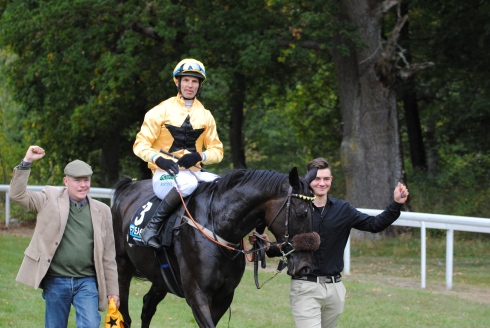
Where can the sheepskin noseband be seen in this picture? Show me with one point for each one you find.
(308, 242)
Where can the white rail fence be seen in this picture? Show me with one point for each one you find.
(94, 193)
(450, 223)
(424, 221)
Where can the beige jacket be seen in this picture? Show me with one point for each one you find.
(52, 206)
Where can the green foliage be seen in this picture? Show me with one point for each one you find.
(78, 76)
(80, 64)
(453, 99)
(12, 148)
(454, 95)
(458, 189)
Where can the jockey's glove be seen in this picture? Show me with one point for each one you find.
(189, 160)
(168, 165)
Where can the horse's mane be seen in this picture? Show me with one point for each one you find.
(266, 180)
(121, 185)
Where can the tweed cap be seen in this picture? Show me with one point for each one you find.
(78, 169)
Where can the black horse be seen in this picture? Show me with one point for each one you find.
(230, 208)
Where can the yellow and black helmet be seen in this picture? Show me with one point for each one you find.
(190, 67)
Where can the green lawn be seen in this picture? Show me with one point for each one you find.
(382, 291)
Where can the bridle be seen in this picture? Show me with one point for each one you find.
(287, 203)
(259, 245)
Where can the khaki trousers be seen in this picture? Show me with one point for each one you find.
(316, 305)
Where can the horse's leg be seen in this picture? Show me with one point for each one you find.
(218, 310)
(199, 295)
(199, 304)
(150, 301)
(125, 271)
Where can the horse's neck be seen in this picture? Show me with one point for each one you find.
(236, 223)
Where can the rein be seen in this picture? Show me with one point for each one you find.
(221, 242)
(198, 226)
(259, 247)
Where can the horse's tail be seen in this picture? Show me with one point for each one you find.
(120, 186)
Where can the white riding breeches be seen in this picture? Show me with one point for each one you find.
(186, 180)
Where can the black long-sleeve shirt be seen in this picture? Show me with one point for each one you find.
(334, 225)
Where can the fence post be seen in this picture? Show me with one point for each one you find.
(7, 209)
(449, 258)
(347, 257)
(423, 254)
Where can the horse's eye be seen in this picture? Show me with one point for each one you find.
(301, 212)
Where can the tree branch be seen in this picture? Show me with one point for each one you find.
(385, 67)
(387, 5)
(391, 43)
(410, 70)
(147, 31)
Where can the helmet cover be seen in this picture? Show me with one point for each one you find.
(190, 67)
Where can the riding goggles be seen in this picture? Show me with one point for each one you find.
(191, 67)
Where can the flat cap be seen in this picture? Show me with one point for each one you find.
(78, 169)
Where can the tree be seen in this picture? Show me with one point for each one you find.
(371, 145)
(453, 98)
(242, 38)
(288, 81)
(87, 71)
(407, 93)
(11, 145)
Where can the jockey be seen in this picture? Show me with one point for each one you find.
(182, 126)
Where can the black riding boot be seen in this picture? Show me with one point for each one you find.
(149, 235)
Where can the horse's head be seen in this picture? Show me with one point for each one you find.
(292, 226)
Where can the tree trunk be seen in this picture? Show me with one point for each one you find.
(412, 119)
(370, 149)
(432, 156)
(110, 162)
(410, 105)
(237, 99)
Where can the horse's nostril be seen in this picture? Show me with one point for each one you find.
(305, 270)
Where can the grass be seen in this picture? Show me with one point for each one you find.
(400, 257)
(382, 291)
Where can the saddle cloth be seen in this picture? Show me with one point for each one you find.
(141, 219)
(143, 215)
(138, 222)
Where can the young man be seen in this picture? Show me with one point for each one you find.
(317, 300)
(181, 126)
(71, 255)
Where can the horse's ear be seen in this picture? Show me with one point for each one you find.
(294, 179)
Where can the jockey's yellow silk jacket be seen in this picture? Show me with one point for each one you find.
(178, 130)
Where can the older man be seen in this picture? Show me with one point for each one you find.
(71, 255)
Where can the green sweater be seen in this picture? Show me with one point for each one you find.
(75, 255)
